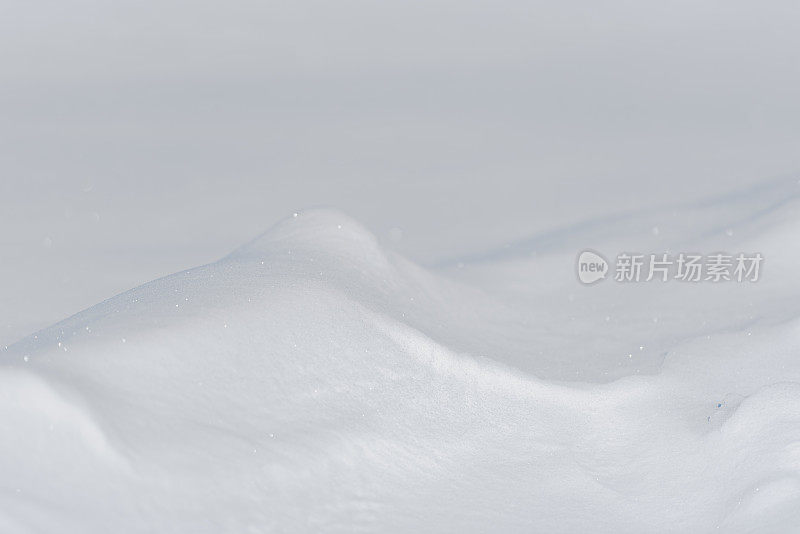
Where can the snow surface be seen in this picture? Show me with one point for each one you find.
(424, 358)
(315, 380)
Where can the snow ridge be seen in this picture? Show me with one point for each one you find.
(314, 380)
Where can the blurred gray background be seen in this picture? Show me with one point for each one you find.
(142, 138)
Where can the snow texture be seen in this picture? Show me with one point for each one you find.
(315, 380)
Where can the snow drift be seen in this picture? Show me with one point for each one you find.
(315, 381)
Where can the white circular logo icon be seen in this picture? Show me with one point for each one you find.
(592, 267)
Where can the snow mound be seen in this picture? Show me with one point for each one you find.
(314, 381)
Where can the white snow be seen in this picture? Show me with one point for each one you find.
(408, 348)
(313, 380)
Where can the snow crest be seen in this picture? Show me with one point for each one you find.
(313, 380)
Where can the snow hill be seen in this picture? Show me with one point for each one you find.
(313, 380)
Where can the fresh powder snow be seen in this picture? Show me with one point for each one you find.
(313, 380)
(296, 266)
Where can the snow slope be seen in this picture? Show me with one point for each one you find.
(313, 380)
